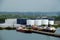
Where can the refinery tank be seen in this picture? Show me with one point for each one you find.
(38, 22)
(10, 21)
(51, 21)
(21, 21)
(30, 22)
(45, 21)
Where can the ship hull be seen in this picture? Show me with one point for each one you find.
(24, 31)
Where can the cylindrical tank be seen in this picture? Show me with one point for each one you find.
(45, 21)
(38, 22)
(51, 21)
(11, 21)
(30, 22)
(21, 21)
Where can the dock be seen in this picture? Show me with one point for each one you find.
(46, 33)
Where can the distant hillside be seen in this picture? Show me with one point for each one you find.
(4, 15)
(33, 13)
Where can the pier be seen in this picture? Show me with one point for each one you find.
(46, 33)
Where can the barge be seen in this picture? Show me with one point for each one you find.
(45, 29)
(41, 28)
(24, 30)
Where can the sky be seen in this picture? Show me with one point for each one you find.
(29, 5)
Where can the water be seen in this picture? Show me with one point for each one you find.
(57, 31)
(13, 35)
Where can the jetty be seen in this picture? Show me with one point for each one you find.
(46, 33)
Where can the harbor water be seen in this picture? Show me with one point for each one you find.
(14, 35)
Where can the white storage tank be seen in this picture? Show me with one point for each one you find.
(45, 21)
(30, 22)
(11, 21)
(51, 21)
(38, 22)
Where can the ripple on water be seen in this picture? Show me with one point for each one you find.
(13, 35)
(57, 31)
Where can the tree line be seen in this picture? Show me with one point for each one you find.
(5, 16)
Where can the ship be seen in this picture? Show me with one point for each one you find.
(24, 30)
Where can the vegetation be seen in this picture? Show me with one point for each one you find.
(10, 28)
(57, 18)
(7, 28)
(43, 25)
(15, 16)
(1, 28)
(56, 26)
(22, 15)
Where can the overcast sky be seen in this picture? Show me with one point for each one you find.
(30, 5)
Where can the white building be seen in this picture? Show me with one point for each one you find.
(11, 21)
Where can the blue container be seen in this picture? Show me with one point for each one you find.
(21, 21)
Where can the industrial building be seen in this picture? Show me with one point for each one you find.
(19, 22)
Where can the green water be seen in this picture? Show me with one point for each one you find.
(14, 35)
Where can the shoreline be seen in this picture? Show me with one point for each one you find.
(8, 28)
(13, 28)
